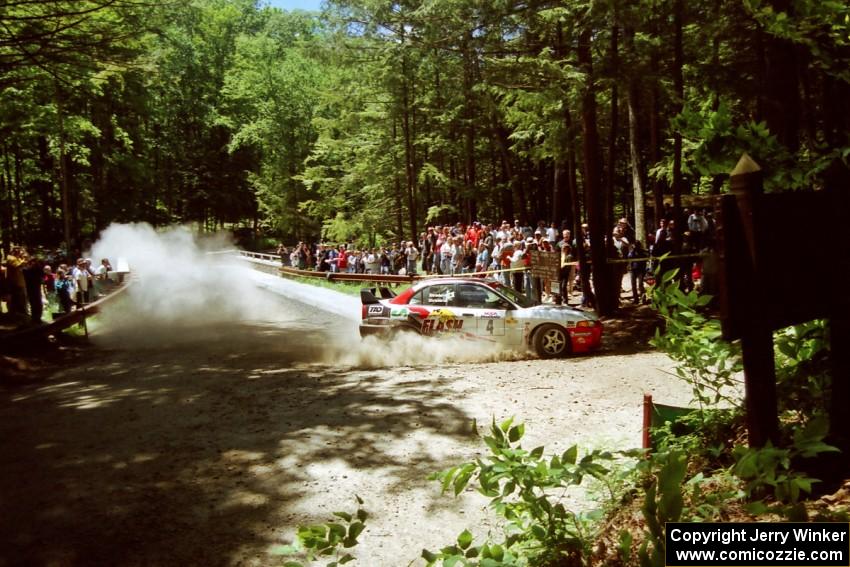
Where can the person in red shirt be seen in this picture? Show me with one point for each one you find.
(472, 234)
(342, 259)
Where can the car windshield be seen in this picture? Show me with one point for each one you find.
(513, 295)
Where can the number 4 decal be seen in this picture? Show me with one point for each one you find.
(490, 326)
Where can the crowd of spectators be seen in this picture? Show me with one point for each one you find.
(503, 251)
(29, 284)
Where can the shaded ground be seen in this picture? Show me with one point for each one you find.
(207, 445)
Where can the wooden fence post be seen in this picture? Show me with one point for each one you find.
(756, 333)
(838, 193)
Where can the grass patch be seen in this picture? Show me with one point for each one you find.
(78, 331)
(349, 288)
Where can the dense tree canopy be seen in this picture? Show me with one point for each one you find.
(373, 118)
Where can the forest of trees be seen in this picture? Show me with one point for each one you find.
(372, 118)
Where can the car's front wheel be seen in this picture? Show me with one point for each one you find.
(551, 341)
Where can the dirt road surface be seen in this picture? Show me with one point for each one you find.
(200, 444)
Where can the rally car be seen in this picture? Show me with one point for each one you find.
(480, 310)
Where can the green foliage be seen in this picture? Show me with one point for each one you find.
(670, 496)
(768, 470)
(700, 434)
(822, 28)
(526, 490)
(219, 111)
(331, 539)
(663, 502)
(802, 368)
(690, 338)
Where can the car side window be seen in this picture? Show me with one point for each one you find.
(479, 297)
(437, 294)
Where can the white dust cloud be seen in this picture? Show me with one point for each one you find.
(176, 282)
(184, 295)
(409, 349)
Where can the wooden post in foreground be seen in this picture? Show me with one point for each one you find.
(744, 271)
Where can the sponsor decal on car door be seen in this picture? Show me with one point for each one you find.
(491, 323)
(480, 305)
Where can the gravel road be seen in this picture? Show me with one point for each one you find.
(202, 442)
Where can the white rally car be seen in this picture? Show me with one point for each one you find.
(481, 310)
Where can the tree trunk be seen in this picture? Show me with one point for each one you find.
(507, 200)
(655, 133)
(408, 145)
(45, 189)
(781, 95)
(21, 234)
(612, 133)
(5, 216)
(469, 128)
(399, 208)
(583, 266)
(560, 182)
(632, 101)
(63, 175)
(634, 155)
(8, 202)
(517, 206)
(678, 101)
(594, 198)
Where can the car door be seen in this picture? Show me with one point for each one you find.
(484, 309)
(433, 305)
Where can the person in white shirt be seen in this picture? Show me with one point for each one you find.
(81, 281)
(496, 255)
(457, 254)
(101, 274)
(372, 261)
(517, 263)
(412, 255)
(698, 226)
(552, 233)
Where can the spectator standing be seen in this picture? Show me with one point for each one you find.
(386, 263)
(482, 259)
(81, 281)
(698, 227)
(64, 290)
(48, 284)
(505, 261)
(552, 233)
(567, 273)
(322, 264)
(16, 286)
(637, 268)
(342, 259)
(32, 280)
(457, 255)
(532, 283)
(487, 239)
(518, 266)
(412, 254)
(661, 233)
(470, 257)
(101, 275)
(426, 244)
(333, 258)
(446, 257)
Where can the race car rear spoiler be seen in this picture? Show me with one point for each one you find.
(367, 296)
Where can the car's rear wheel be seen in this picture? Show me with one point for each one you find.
(551, 341)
